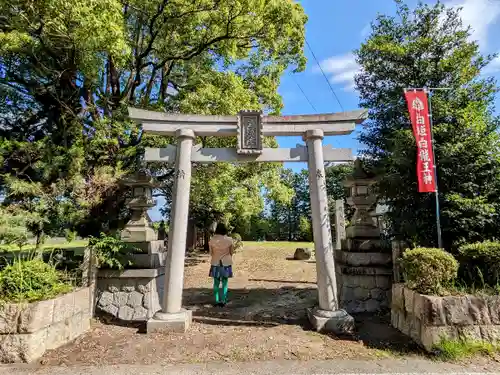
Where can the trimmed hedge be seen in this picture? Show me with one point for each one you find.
(480, 264)
(429, 270)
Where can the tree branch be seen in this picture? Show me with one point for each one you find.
(149, 87)
(165, 73)
(115, 84)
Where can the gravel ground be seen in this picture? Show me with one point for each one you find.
(265, 320)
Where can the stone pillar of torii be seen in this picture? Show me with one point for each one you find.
(249, 127)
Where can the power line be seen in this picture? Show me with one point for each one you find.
(303, 93)
(324, 75)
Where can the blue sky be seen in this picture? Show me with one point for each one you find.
(334, 30)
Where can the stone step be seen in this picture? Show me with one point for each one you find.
(363, 259)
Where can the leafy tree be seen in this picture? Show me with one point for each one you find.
(222, 191)
(291, 220)
(68, 69)
(286, 219)
(255, 228)
(55, 210)
(50, 54)
(430, 47)
(305, 229)
(335, 175)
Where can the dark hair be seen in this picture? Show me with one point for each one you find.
(221, 229)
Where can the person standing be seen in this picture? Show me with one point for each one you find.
(221, 250)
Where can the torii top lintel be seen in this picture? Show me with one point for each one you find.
(161, 123)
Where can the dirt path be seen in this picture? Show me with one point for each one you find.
(264, 320)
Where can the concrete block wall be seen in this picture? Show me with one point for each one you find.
(27, 330)
(428, 319)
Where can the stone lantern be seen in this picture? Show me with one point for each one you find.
(139, 228)
(362, 199)
(365, 268)
(134, 294)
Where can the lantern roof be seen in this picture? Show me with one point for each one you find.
(359, 176)
(141, 179)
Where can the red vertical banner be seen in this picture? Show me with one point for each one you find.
(418, 106)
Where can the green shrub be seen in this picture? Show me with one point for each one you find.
(238, 243)
(31, 280)
(480, 264)
(110, 251)
(429, 271)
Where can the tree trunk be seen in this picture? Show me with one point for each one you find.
(206, 233)
(289, 224)
(38, 244)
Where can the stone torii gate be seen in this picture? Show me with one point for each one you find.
(249, 127)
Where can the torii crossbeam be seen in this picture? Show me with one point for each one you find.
(225, 126)
(161, 123)
(213, 155)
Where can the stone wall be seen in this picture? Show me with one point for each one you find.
(131, 295)
(364, 280)
(427, 319)
(28, 330)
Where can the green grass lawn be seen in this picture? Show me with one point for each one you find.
(277, 244)
(80, 245)
(48, 246)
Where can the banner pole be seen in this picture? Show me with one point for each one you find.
(438, 216)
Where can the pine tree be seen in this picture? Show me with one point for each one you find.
(430, 47)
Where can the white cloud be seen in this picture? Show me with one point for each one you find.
(341, 70)
(480, 15)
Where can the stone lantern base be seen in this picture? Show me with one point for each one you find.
(138, 229)
(361, 231)
(138, 233)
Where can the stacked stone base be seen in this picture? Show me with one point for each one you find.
(131, 295)
(28, 330)
(429, 319)
(364, 280)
